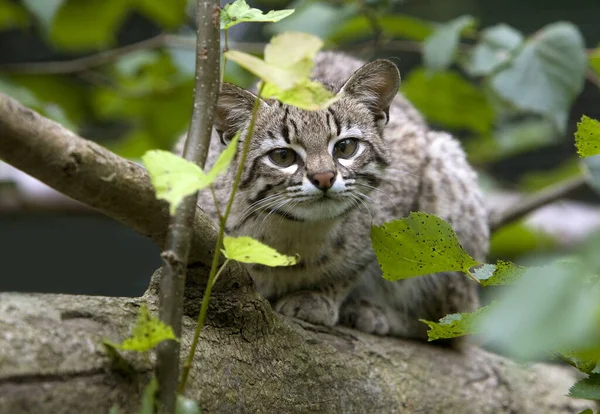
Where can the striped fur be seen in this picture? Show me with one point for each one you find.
(401, 166)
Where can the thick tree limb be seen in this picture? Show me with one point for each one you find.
(92, 175)
(249, 359)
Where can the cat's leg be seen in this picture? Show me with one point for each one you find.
(320, 307)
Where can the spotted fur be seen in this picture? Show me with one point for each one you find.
(400, 166)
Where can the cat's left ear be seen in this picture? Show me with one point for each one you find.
(375, 84)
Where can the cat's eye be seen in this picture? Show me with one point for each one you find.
(283, 157)
(345, 148)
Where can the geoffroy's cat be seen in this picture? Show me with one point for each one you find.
(315, 181)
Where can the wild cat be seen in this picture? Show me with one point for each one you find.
(315, 181)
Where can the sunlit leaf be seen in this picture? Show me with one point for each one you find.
(587, 137)
(502, 273)
(536, 180)
(448, 99)
(456, 324)
(518, 239)
(288, 59)
(224, 159)
(148, 332)
(309, 95)
(594, 60)
(240, 12)
(392, 25)
(173, 177)
(441, 46)
(418, 245)
(547, 74)
(495, 48)
(587, 388)
(248, 250)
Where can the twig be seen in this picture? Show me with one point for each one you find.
(109, 56)
(535, 201)
(175, 255)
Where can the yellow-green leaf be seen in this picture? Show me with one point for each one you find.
(418, 245)
(288, 59)
(309, 95)
(587, 137)
(282, 78)
(502, 273)
(240, 12)
(173, 177)
(148, 332)
(248, 250)
(224, 159)
(289, 49)
(455, 324)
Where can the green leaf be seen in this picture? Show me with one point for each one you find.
(186, 406)
(417, 245)
(148, 332)
(495, 48)
(502, 273)
(547, 74)
(173, 177)
(224, 159)
(149, 397)
(240, 12)
(587, 137)
(395, 25)
(288, 59)
(446, 98)
(588, 388)
(537, 180)
(72, 27)
(587, 411)
(317, 18)
(594, 60)
(308, 95)
(169, 14)
(441, 46)
(44, 11)
(518, 239)
(511, 139)
(12, 15)
(248, 250)
(456, 324)
(549, 308)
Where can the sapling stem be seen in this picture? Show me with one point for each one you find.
(219, 244)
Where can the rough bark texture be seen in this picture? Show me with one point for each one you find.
(249, 359)
(252, 360)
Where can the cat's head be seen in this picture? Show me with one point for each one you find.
(313, 165)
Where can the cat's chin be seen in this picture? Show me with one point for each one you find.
(323, 209)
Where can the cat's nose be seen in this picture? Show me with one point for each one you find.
(323, 181)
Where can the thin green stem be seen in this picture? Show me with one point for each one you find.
(216, 202)
(215, 263)
(225, 49)
(223, 266)
(468, 273)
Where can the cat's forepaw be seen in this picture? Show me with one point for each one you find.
(365, 316)
(311, 307)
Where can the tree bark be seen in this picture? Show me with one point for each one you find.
(249, 359)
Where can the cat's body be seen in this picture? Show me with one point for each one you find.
(314, 206)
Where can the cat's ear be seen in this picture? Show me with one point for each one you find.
(375, 84)
(233, 111)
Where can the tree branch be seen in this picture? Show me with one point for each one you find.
(206, 93)
(535, 201)
(91, 174)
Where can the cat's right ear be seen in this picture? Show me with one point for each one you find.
(233, 111)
